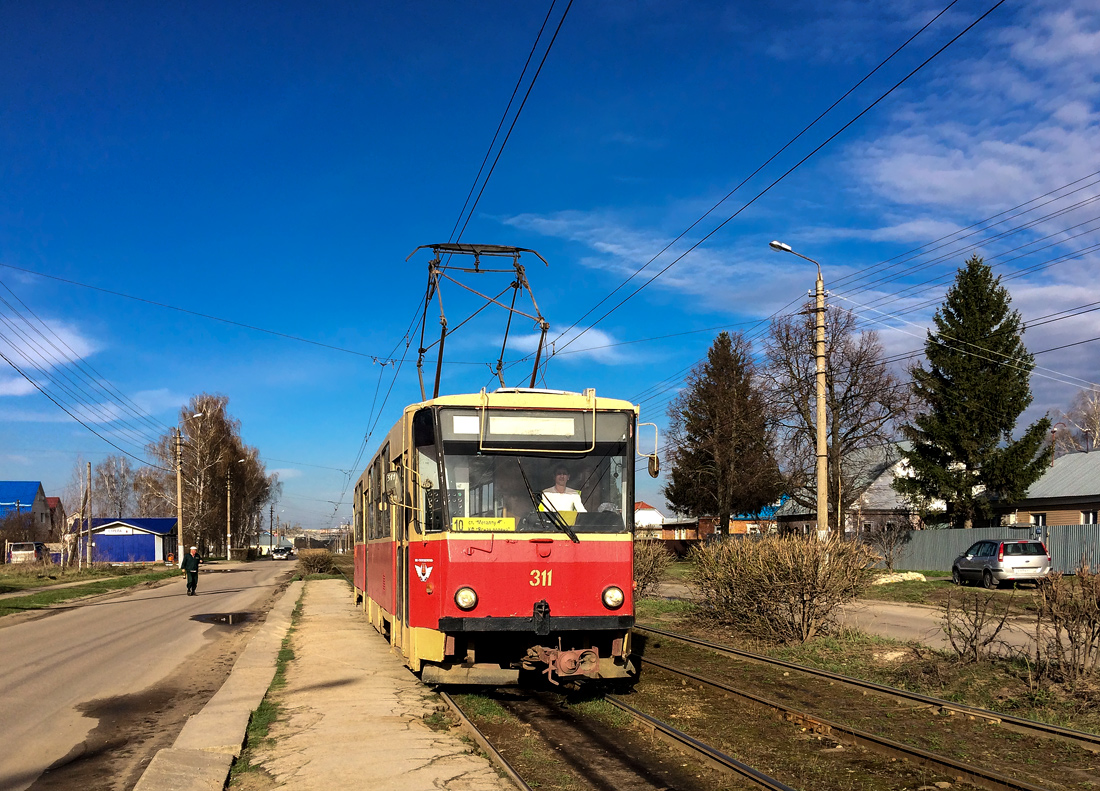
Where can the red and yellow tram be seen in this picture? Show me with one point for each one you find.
(470, 565)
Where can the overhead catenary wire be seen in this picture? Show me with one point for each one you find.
(673, 381)
(77, 419)
(790, 170)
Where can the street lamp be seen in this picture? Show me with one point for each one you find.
(179, 489)
(819, 352)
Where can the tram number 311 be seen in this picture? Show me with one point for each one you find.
(542, 578)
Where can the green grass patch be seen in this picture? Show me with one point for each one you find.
(333, 576)
(914, 592)
(53, 596)
(480, 707)
(680, 571)
(267, 713)
(662, 609)
(438, 721)
(599, 709)
(21, 576)
(934, 593)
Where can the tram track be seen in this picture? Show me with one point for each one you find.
(622, 768)
(1033, 728)
(960, 771)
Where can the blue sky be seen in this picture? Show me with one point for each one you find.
(274, 164)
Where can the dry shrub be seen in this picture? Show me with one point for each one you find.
(315, 561)
(1068, 625)
(972, 622)
(781, 588)
(651, 561)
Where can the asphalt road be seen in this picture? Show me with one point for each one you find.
(54, 669)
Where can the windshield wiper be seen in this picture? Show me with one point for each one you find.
(556, 518)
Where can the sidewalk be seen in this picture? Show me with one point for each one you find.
(350, 714)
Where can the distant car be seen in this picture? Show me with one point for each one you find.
(280, 553)
(997, 561)
(27, 552)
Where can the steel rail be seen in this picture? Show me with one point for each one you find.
(483, 743)
(1087, 741)
(713, 755)
(993, 781)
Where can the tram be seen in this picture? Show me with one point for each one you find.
(493, 537)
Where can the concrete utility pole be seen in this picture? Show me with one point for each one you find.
(819, 353)
(80, 528)
(179, 497)
(228, 493)
(228, 512)
(89, 560)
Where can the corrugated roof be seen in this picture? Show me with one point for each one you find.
(1072, 475)
(153, 524)
(22, 492)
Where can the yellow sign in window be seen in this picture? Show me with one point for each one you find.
(483, 524)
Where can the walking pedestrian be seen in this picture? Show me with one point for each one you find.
(190, 564)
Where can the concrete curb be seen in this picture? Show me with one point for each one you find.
(210, 740)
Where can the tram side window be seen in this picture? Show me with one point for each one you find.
(368, 504)
(358, 513)
(375, 499)
(384, 504)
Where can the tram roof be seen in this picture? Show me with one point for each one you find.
(524, 397)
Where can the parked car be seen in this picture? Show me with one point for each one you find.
(280, 553)
(997, 561)
(27, 552)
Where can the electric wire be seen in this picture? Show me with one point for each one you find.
(77, 419)
(790, 170)
(500, 124)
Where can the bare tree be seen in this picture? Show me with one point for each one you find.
(113, 487)
(888, 533)
(1082, 421)
(213, 456)
(151, 487)
(864, 402)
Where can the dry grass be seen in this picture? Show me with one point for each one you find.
(651, 561)
(780, 588)
(315, 561)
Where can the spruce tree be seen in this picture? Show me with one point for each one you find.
(976, 384)
(720, 442)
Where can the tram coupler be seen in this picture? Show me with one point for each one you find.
(578, 662)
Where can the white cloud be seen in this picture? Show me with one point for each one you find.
(158, 401)
(37, 350)
(286, 473)
(996, 130)
(715, 278)
(15, 386)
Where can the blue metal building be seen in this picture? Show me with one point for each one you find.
(132, 540)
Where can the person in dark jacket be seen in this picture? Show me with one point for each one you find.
(190, 564)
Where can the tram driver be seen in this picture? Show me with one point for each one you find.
(559, 496)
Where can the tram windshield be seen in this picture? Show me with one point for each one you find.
(533, 472)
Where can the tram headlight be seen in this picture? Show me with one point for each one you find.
(466, 599)
(613, 598)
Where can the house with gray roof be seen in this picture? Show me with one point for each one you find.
(1067, 494)
(877, 506)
